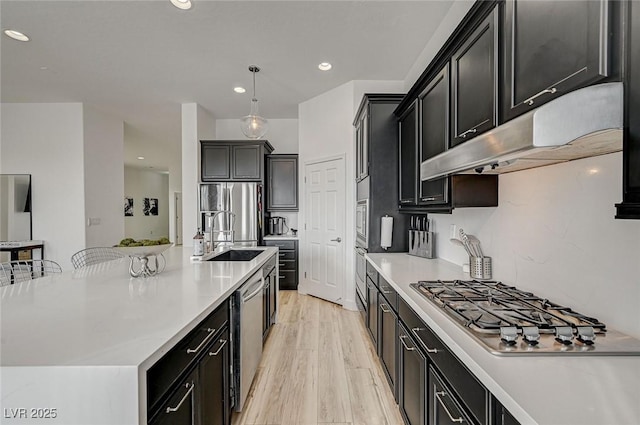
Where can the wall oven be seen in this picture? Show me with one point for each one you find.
(362, 223)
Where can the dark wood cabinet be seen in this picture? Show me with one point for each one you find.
(214, 378)
(474, 74)
(551, 48)
(191, 384)
(181, 408)
(377, 154)
(502, 416)
(387, 334)
(408, 148)
(442, 405)
(224, 160)
(282, 183)
(216, 164)
(434, 134)
(372, 309)
(412, 379)
(288, 262)
(270, 287)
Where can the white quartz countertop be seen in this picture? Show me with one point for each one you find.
(101, 316)
(562, 390)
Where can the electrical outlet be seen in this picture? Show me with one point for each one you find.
(453, 231)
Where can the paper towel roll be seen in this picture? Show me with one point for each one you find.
(386, 230)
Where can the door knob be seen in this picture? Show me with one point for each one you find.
(338, 239)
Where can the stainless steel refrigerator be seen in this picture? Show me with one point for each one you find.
(240, 199)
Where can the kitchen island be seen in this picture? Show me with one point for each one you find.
(75, 347)
(562, 390)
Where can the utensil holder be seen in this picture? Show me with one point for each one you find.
(422, 243)
(480, 268)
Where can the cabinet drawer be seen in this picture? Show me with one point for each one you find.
(388, 293)
(287, 265)
(471, 392)
(288, 279)
(170, 367)
(281, 244)
(372, 274)
(286, 255)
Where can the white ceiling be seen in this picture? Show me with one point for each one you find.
(140, 60)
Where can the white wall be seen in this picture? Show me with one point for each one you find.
(451, 20)
(140, 184)
(282, 133)
(103, 177)
(326, 130)
(46, 141)
(197, 124)
(554, 233)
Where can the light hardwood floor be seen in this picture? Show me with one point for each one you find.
(318, 366)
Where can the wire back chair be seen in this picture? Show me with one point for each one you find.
(21, 270)
(96, 255)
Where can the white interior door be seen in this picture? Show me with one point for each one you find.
(178, 210)
(324, 220)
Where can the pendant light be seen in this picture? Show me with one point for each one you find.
(253, 125)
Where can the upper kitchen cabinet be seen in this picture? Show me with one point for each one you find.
(233, 160)
(474, 75)
(408, 148)
(282, 182)
(433, 108)
(551, 48)
(362, 146)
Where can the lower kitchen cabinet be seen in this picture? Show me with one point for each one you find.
(288, 262)
(442, 405)
(182, 405)
(191, 384)
(214, 382)
(412, 379)
(502, 416)
(270, 287)
(387, 334)
(372, 309)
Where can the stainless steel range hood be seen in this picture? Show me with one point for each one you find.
(583, 123)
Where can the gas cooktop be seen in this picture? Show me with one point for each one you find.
(507, 320)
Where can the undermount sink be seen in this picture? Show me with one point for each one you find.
(237, 255)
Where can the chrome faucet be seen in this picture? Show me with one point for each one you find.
(229, 237)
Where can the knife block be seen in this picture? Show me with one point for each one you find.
(422, 243)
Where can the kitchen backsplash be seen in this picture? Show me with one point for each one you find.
(554, 233)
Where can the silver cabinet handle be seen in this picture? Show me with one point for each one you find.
(382, 307)
(404, 344)
(442, 393)
(429, 350)
(175, 409)
(224, 342)
(532, 98)
(338, 239)
(282, 277)
(281, 255)
(464, 135)
(204, 341)
(385, 292)
(430, 198)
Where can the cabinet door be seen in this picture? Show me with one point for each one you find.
(364, 170)
(552, 47)
(246, 162)
(215, 162)
(473, 83)
(408, 176)
(181, 407)
(358, 150)
(434, 134)
(412, 379)
(503, 417)
(443, 407)
(372, 308)
(273, 296)
(283, 183)
(388, 327)
(215, 383)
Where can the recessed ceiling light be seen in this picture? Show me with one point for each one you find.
(182, 4)
(141, 157)
(239, 89)
(324, 66)
(16, 35)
